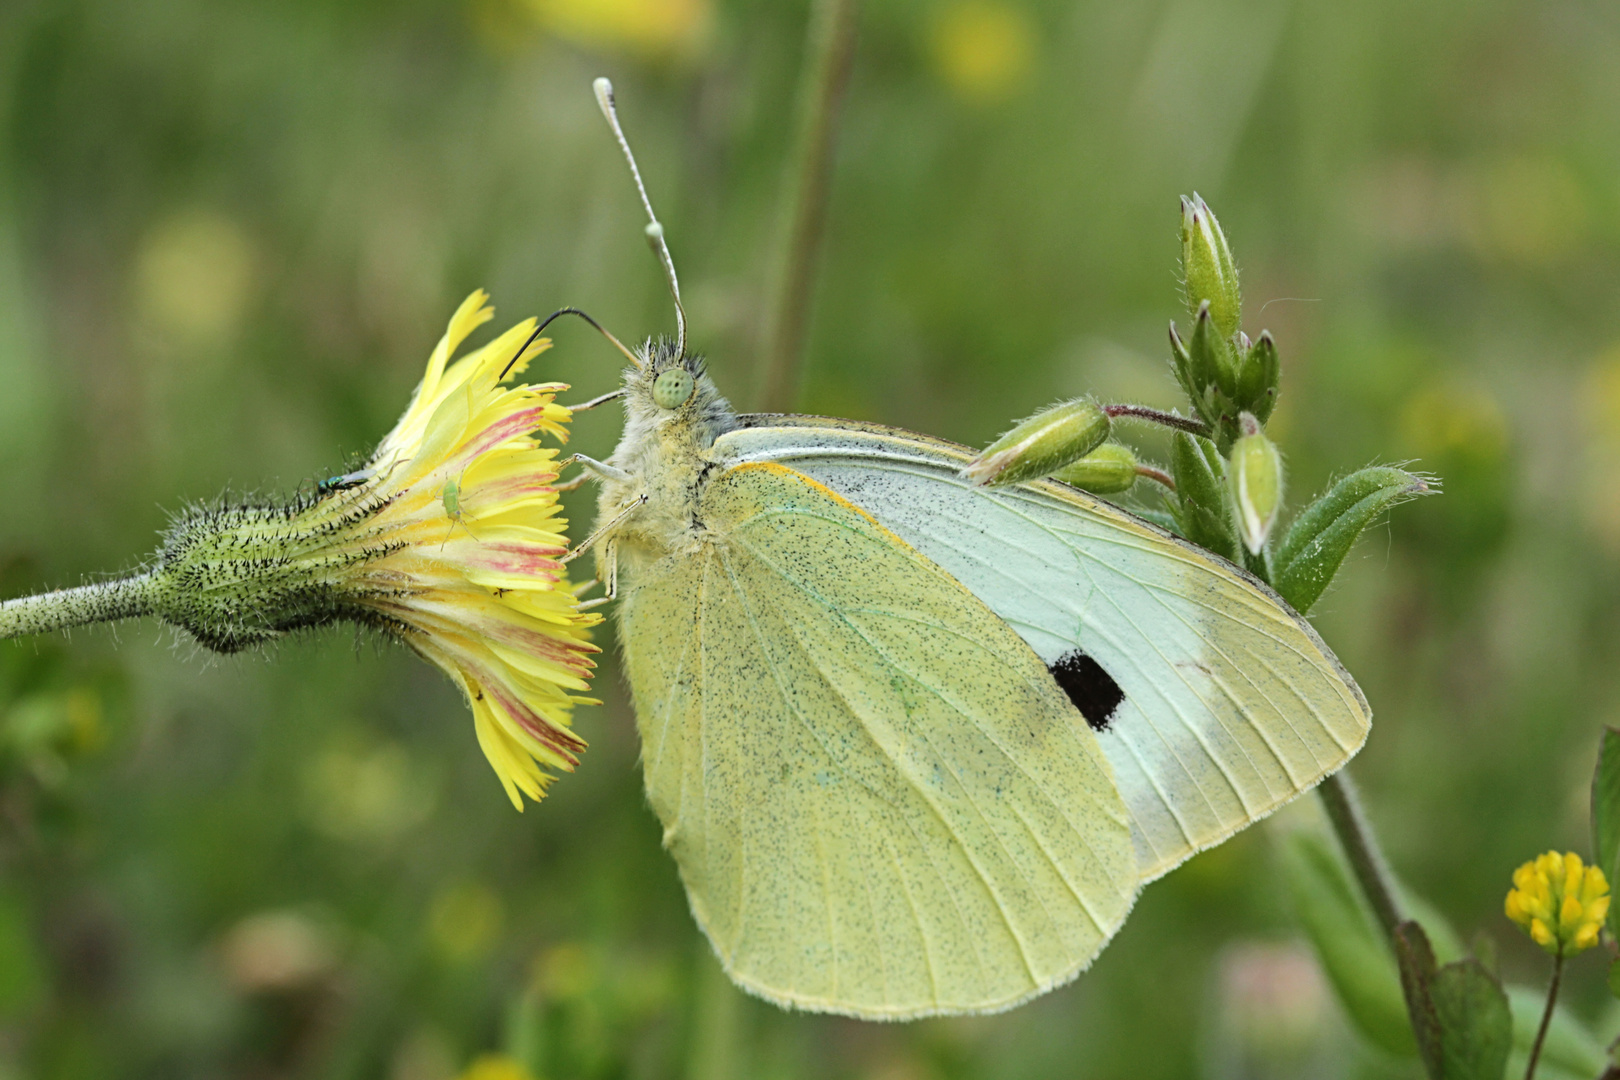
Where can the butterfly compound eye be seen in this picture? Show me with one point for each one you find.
(672, 388)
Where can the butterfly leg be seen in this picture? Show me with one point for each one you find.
(591, 470)
(606, 530)
(608, 564)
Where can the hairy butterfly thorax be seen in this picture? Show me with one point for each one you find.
(673, 414)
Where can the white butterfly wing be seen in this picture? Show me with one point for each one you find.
(1231, 706)
(879, 802)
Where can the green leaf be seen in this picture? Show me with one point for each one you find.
(1606, 814)
(1181, 364)
(1353, 952)
(1476, 1025)
(1459, 1012)
(1317, 542)
(1201, 489)
(1614, 977)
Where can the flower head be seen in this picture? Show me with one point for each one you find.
(448, 540)
(1561, 903)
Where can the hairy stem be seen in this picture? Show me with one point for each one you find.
(1158, 475)
(1343, 807)
(1158, 416)
(828, 59)
(1546, 1015)
(67, 608)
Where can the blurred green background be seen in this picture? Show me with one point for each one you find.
(231, 232)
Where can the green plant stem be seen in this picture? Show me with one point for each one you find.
(1158, 416)
(1158, 475)
(1546, 1015)
(67, 608)
(1343, 805)
(829, 57)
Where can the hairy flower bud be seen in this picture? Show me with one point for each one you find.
(1256, 476)
(1207, 267)
(1041, 445)
(1108, 470)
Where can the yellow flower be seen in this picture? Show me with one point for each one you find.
(650, 27)
(461, 497)
(983, 49)
(448, 540)
(1560, 902)
(495, 1067)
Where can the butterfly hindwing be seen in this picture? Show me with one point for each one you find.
(1214, 701)
(880, 802)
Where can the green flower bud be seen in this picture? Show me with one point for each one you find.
(1211, 354)
(1201, 494)
(1207, 266)
(1257, 375)
(1108, 470)
(1041, 445)
(1257, 482)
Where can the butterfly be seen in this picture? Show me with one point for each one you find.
(916, 745)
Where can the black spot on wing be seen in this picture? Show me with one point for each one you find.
(1093, 690)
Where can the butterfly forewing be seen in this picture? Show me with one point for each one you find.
(1219, 703)
(880, 802)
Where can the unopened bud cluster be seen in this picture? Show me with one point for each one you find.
(1223, 372)
(1225, 480)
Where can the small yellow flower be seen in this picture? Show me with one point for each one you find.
(1560, 902)
(984, 49)
(495, 1067)
(649, 27)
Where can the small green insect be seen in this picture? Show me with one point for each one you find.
(451, 496)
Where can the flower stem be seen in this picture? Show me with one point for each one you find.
(1158, 475)
(1159, 416)
(829, 57)
(1343, 807)
(103, 602)
(1546, 1016)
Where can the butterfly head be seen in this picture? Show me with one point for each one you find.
(670, 391)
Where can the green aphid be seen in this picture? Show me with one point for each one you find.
(452, 508)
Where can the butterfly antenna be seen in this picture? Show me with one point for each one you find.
(553, 317)
(655, 231)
